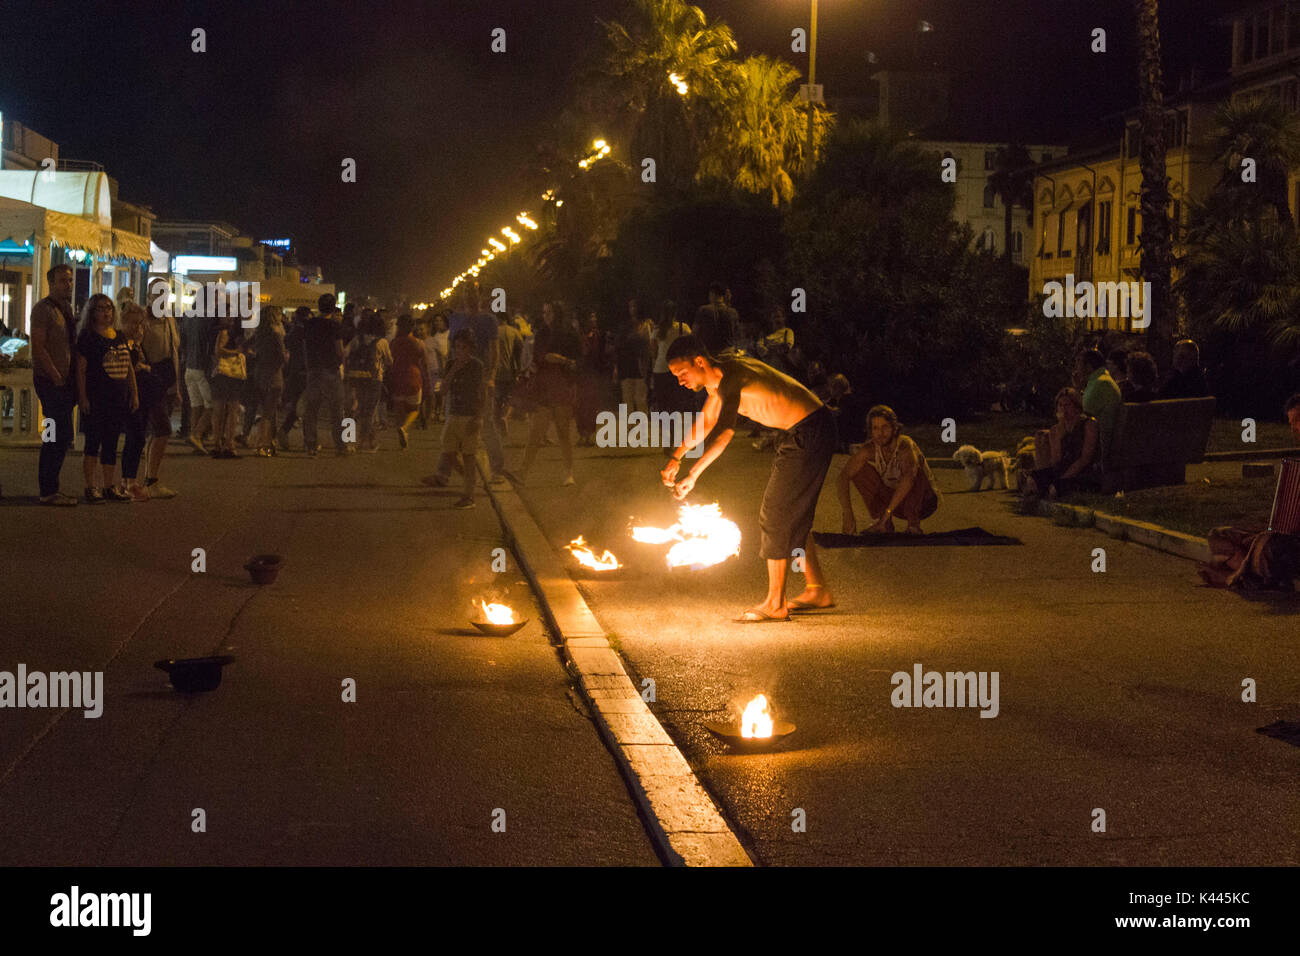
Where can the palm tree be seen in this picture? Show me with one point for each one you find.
(667, 39)
(758, 144)
(1155, 243)
(1013, 183)
(1267, 132)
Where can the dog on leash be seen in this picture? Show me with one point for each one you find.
(980, 465)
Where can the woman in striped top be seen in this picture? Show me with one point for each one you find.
(107, 389)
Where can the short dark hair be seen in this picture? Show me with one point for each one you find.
(325, 303)
(1142, 370)
(463, 335)
(55, 270)
(718, 289)
(405, 323)
(1118, 358)
(1092, 358)
(687, 348)
(1292, 402)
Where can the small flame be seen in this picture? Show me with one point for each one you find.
(579, 549)
(704, 538)
(497, 613)
(756, 721)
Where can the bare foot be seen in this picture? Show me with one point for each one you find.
(811, 598)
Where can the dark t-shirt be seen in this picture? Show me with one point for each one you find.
(716, 327)
(632, 354)
(1189, 384)
(108, 364)
(323, 336)
(465, 391)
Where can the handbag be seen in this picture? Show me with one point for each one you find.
(232, 366)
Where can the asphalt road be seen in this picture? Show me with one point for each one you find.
(1118, 691)
(447, 728)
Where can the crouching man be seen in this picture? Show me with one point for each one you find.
(739, 385)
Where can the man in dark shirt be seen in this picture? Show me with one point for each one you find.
(1187, 380)
(324, 349)
(465, 386)
(53, 337)
(487, 347)
(716, 324)
(739, 385)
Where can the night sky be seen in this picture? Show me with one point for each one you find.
(253, 131)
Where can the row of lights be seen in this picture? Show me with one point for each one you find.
(600, 149)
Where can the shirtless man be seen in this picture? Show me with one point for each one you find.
(739, 385)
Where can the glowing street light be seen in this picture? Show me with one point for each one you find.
(678, 83)
(497, 244)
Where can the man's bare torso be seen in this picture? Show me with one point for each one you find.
(767, 396)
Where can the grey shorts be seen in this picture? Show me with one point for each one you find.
(803, 456)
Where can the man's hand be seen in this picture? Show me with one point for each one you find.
(848, 525)
(84, 405)
(669, 473)
(684, 487)
(135, 403)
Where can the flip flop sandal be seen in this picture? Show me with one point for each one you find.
(755, 616)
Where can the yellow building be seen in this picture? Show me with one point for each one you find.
(1087, 204)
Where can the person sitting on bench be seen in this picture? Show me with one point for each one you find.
(891, 474)
(1067, 453)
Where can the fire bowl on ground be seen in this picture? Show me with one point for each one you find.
(498, 630)
(264, 568)
(728, 731)
(192, 675)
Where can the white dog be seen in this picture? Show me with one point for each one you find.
(979, 465)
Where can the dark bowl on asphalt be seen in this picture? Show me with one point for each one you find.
(498, 630)
(192, 675)
(264, 568)
(729, 733)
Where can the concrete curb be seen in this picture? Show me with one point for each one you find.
(681, 817)
(1128, 529)
(1264, 453)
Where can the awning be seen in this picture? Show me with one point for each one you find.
(131, 245)
(22, 222)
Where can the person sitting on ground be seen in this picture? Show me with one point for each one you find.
(1066, 455)
(1187, 380)
(1140, 386)
(1255, 560)
(891, 474)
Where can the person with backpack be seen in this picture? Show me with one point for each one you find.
(364, 362)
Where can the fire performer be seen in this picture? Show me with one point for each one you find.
(739, 385)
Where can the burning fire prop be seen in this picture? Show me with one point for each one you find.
(579, 549)
(498, 620)
(755, 730)
(756, 721)
(497, 613)
(703, 537)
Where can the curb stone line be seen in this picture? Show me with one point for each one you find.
(681, 818)
(1150, 535)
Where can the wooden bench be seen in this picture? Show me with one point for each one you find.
(1154, 442)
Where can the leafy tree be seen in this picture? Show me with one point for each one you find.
(759, 143)
(662, 39)
(1267, 132)
(1156, 242)
(897, 299)
(1013, 182)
